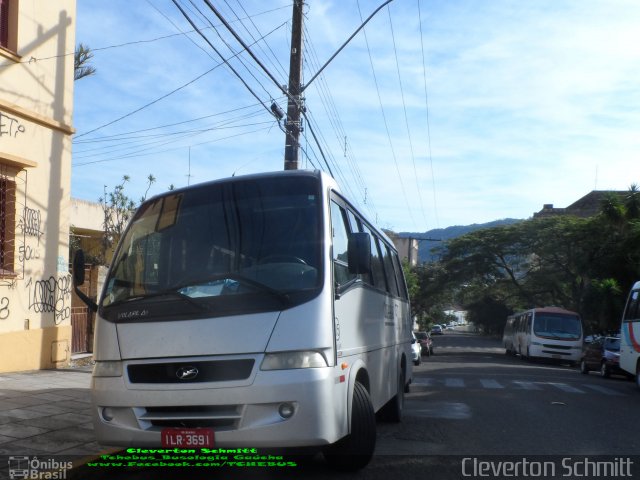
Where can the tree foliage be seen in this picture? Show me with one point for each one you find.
(82, 67)
(582, 264)
(118, 208)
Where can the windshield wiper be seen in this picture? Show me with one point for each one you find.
(164, 293)
(236, 277)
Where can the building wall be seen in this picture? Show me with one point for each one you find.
(36, 107)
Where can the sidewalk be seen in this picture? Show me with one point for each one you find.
(45, 413)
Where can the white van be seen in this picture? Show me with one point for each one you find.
(630, 334)
(254, 311)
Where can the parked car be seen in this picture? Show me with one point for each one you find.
(603, 355)
(437, 330)
(425, 342)
(416, 350)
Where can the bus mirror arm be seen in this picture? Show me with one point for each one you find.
(359, 253)
(78, 280)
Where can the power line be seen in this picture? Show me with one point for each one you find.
(140, 153)
(109, 137)
(150, 103)
(406, 117)
(134, 42)
(386, 125)
(426, 98)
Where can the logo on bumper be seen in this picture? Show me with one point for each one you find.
(187, 373)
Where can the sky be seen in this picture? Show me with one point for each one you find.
(437, 113)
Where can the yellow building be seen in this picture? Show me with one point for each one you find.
(37, 41)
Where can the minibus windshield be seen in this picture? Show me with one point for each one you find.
(557, 326)
(254, 237)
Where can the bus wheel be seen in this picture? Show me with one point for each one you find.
(392, 410)
(638, 375)
(354, 451)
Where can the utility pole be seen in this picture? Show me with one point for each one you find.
(293, 123)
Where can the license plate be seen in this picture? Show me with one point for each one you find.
(187, 437)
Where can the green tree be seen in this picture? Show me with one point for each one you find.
(81, 63)
(118, 208)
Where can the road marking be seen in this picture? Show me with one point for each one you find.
(524, 385)
(605, 390)
(448, 410)
(566, 388)
(489, 383)
(426, 382)
(454, 382)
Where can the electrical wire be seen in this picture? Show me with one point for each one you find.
(426, 99)
(386, 125)
(406, 117)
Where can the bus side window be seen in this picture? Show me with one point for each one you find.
(340, 243)
(356, 225)
(377, 269)
(402, 285)
(392, 280)
(632, 313)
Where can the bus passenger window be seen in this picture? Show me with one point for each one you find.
(377, 270)
(388, 270)
(340, 243)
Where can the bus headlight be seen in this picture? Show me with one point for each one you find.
(289, 360)
(107, 369)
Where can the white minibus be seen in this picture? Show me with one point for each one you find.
(255, 311)
(630, 334)
(548, 332)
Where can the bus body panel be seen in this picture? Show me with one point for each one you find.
(254, 408)
(358, 333)
(363, 333)
(202, 336)
(630, 332)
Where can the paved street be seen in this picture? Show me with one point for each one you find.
(468, 400)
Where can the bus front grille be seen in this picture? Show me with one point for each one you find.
(558, 347)
(221, 417)
(191, 372)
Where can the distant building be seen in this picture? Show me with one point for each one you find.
(587, 206)
(407, 247)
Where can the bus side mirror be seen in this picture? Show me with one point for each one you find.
(78, 280)
(359, 253)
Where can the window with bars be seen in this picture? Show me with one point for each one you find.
(7, 225)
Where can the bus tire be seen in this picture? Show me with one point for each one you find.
(392, 410)
(638, 375)
(354, 451)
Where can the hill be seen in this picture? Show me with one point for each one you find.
(436, 236)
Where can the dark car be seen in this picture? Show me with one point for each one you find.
(426, 342)
(437, 330)
(603, 355)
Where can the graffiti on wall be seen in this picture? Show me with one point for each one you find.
(30, 221)
(4, 308)
(10, 126)
(52, 295)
